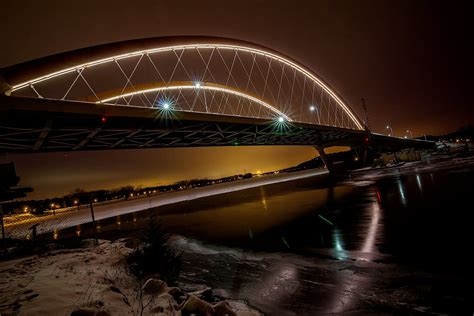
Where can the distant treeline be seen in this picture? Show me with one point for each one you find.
(463, 134)
(80, 196)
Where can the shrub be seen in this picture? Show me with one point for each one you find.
(154, 255)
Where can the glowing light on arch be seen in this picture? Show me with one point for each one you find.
(201, 87)
(273, 56)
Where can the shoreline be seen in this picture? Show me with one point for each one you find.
(51, 223)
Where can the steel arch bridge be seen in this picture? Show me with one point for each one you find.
(189, 74)
(173, 92)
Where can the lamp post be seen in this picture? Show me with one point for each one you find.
(389, 128)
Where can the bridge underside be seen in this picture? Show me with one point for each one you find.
(40, 125)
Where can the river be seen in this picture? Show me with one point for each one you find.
(385, 242)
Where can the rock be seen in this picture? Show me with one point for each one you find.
(178, 295)
(194, 305)
(84, 311)
(204, 294)
(181, 299)
(163, 305)
(223, 309)
(154, 286)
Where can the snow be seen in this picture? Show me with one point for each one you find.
(94, 278)
(52, 223)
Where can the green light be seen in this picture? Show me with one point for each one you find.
(328, 221)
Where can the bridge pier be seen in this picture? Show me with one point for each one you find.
(327, 162)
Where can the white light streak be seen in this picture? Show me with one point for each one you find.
(273, 56)
(202, 87)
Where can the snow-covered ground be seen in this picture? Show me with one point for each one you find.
(438, 164)
(51, 223)
(94, 280)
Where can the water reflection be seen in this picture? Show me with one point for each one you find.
(298, 247)
(370, 238)
(401, 190)
(347, 283)
(338, 245)
(264, 198)
(418, 182)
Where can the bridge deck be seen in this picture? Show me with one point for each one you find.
(40, 125)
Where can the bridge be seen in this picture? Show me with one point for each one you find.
(175, 92)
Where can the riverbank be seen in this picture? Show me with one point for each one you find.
(54, 222)
(94, 280)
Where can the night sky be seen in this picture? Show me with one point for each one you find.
(410, 60)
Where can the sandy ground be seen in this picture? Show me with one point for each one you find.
(50, 223)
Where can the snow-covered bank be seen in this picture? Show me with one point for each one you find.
(50, 223)
(92, 281)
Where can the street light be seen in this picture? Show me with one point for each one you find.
(391, 130)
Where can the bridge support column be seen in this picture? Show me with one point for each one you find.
(327, 162)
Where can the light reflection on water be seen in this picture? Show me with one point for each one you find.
(282, 224)
(401, 190)
(418, 182)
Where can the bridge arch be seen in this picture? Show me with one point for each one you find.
(245, 71)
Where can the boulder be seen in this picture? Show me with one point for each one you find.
(154, 286)
(223, 309)
(204, 294)
(163, 305)
(178, 295)
(194, 305)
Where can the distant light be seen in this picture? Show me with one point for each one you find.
(389, 134)
(166, 105)
(312, 108)
(408, 131)
(197, 85)
(103, 119)
(281, 119)
(406, 136)
(388, 126)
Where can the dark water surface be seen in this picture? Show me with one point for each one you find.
(397, 242)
